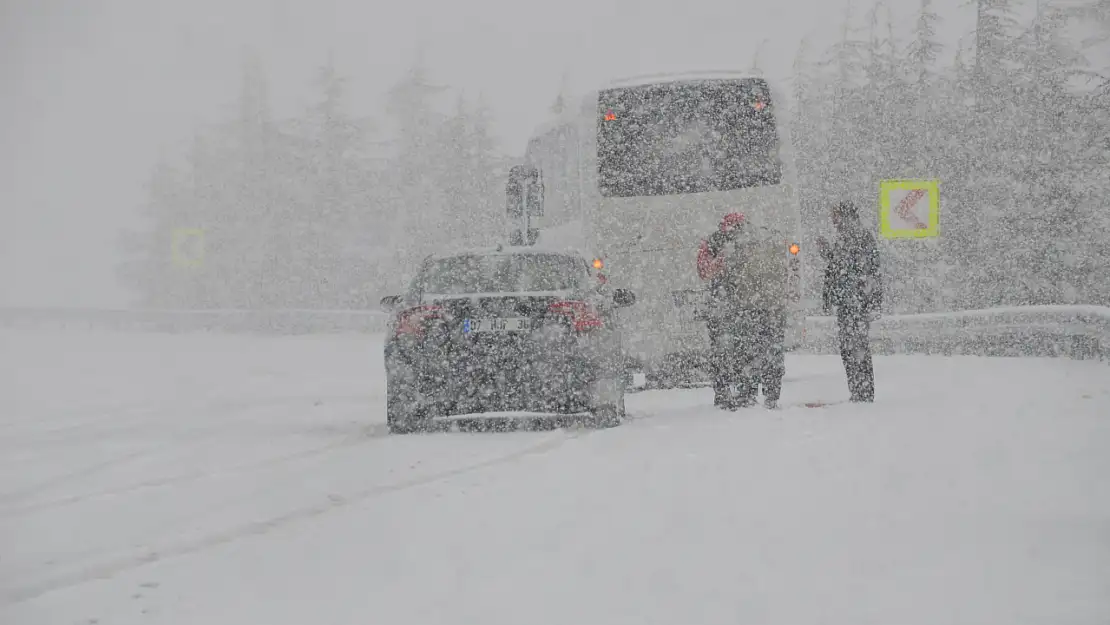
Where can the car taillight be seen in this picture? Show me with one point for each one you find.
(411, 321)
(582, 315)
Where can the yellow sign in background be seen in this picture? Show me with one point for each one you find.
(188, 247)
(909, 209)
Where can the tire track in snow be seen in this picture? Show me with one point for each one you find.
(130, 417)
(142, 419)
(370, 433)
(69, 476)
(121, 564)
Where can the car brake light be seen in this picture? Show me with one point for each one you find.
(411, 321)
(582, 315)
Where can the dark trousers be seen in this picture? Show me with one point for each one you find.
(855, 350)
(716, 363)
(747, 351)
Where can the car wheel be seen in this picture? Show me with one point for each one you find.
(396, 417)
(605, 417)
(607, 407)
(400, 415)
(408, 423)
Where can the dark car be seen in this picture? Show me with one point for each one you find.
(509, 330)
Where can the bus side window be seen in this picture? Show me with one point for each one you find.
(524, 182)
(539, 154)
(569, 168)
(536, 193)
(556, 154)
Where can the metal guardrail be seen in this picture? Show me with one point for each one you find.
(184, 321)
(1081, 332)
(1070, 331)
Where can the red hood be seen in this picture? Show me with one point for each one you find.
(731, 220)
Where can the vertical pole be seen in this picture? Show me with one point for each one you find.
(526, 188)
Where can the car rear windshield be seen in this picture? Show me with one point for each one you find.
(502, 273)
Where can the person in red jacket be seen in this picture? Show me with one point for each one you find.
(708, 264)
(711, 269)
(747, 274)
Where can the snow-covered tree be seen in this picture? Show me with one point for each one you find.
(1020, 152)
(924, 50)
(415, 202)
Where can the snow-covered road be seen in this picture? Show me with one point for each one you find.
(241, 480)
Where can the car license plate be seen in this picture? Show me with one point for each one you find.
(688, 298)
(497, 324)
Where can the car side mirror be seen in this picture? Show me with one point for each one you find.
(389, 303)
(623, 297)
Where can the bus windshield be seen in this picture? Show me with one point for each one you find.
(686, 137)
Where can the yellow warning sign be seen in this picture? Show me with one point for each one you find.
(188, 247)
(909, 209)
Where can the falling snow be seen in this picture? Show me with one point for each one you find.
(449, 318)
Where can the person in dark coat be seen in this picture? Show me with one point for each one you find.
(709, 270)
(853, 285)
(747, 325)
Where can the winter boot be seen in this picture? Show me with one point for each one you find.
(721, 396)
(742, 401)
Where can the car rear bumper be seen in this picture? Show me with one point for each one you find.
(444, 384)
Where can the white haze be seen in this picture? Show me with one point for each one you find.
(95, 90)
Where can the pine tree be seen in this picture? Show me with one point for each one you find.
(848, 58)
(410, 107)
(488, 185)
(469, 177)
(810, 107)
(335, 233)
(212, 197)
(1064, 212)
(1096, 16)
(757, 56)
(883, 122)
(810, 111)
(559, 106)
(148, 268)
(995, 26)
(455, 176)
(241, 181)
(925, 49)
(255, 217)
(415, 201)
(1023, 172)
(882, 53)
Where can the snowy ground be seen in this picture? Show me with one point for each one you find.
(242, 480)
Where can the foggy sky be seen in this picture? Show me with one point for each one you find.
(92, 90)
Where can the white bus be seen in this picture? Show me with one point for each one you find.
(640, 174)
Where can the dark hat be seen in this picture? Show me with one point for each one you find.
(846, 209)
